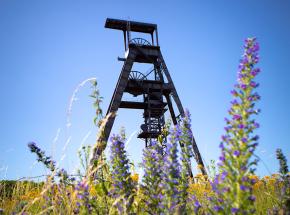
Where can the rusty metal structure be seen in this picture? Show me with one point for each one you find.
(155, 86)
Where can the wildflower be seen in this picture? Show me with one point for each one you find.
(41, 157)
(282, 161)
(122, 184)
(234, 210)
(252, 198)
(135, 177)
(254, 178)
(237, 153)
(197, 206)
(151, 181)
(83, 204)
(222, 146)
(284, 173)
(237, 117)
(238, 144)
(217, 208)
(243, 187)
(171, 173)
(186, 155)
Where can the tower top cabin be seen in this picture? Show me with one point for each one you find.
(131, 26)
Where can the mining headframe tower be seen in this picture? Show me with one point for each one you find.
(154, 86)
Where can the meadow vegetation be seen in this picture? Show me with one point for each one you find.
(110, 186)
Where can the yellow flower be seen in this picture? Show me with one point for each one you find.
(254, 177)
(193, 187)
(30, 195)
(93, 191)
(258, 185)
(266, 177)
(272, 181)
(135, 177)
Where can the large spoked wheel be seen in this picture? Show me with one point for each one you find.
(136, 76)
(140, 42)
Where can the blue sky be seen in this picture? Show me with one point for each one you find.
(48, 47)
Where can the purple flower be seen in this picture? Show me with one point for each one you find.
(241, 126)
(254, 84)
(223, 175)
(171, 173)
(256, 125)
(225, 138)
(243, 187)
(236, 117)
(252, 198)
(243, 168)
(244, 179)
(80, 196)
(122, 184)
(222, 158)
(151, 181)
(234, 93)
(243, 86)
(237, 153)
(234, 102)
(255, 72)
(238, 148)
(234, 210)
(197, 206)
(228, 128)
(244, 140)
(217, 208)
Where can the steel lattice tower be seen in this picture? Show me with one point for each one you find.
(156, 86)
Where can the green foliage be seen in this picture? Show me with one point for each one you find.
(285, 178)
(97, 102)
(84, 156)
(167, 187)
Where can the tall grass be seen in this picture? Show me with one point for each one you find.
(107, 186)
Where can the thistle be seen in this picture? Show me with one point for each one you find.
(122, 185)
(233, 186)
(152, 164)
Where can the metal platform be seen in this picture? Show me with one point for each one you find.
(119, 24)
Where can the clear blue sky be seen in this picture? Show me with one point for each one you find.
(48, 47)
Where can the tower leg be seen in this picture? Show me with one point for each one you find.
(197, 155)
(114, 105)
